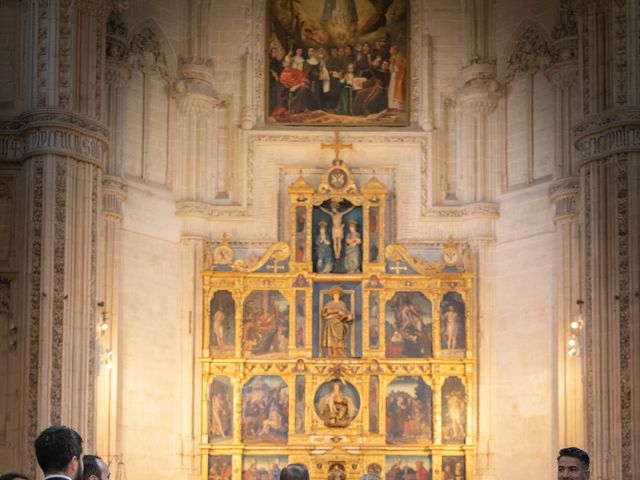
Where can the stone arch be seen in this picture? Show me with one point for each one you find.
(528, 51)
(148, 44)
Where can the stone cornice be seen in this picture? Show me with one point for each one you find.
(608, 133)
(563, 193)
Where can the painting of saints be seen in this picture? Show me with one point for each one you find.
(265, 410)
(220, 467)
(266, 323)
(222, 322)
(337, 62)
(220, 409)
(452, 321)
(408, 326)
(453, 468)
(453, 411)
(337, 403)
(263, 467)
(408, 411)
(408, 467)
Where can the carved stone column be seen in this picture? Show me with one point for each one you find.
(563, 193)
(65, 145)
(478, 98)
(114, 194)
(608, 138)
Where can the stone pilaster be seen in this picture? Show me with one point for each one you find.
(64, 152)
(608, 138)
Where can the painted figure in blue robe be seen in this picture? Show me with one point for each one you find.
(324, 251)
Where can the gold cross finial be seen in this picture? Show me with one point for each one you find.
(336, 146)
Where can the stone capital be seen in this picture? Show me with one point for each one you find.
(114, 194)
(563, 193)
(65, 134)
(608, 133)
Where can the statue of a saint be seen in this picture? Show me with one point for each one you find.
(324, 255)
(336, 324)
(336, 473)
(337, 408)
(352, 260)
(337, 228)
(450, 318)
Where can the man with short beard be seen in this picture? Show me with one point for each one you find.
(59, 453)
(95, 468)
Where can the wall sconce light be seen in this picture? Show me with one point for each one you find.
(108, 363)
(576, 325)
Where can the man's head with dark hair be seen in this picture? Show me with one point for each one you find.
(59, 450)
(95, 468)
(13, 476)
(573, 464)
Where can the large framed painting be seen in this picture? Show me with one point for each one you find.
(338, 62)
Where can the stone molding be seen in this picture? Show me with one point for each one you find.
(114, 194)
(608, 133)
(563, 194)
(527, 52)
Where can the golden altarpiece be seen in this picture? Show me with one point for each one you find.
(336, 350)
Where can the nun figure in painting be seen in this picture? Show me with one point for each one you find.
(352, 261)
(324, 252)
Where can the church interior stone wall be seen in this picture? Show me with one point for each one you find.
(134, 143)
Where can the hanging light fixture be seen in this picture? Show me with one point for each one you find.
(576, 325)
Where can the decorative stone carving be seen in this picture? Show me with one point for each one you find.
(529, 53)
(145, 51)
(563, 194)
(114, 194)
(611, 132)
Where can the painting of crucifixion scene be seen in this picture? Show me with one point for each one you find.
(265, 410)
(337, 237)
(408, 326)
(408, 411)
(266, 323)
(338, 62)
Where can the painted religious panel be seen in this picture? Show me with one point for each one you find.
(453, 468)
(453, 411)
(220, 467)
(408, 411)
(263, 467)
(408, 323)
(220, 409)
(301, 234)
(337, 237)
(265, 410)
(453, 324)
(337, 329)
(222, 323)
(336, 403)
(338, 62)
(266, 323)
(374, 403)
(300, 318)
(408, 467)
(374, 234)
(300, 390)
(374, 320)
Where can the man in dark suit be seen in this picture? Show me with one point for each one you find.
(95, 468)
(59, 453)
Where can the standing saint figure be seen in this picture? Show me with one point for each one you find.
(337, 319)
(219, 320)
(450, 326)
(352, 260)
(337, 228)
(324, 255)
